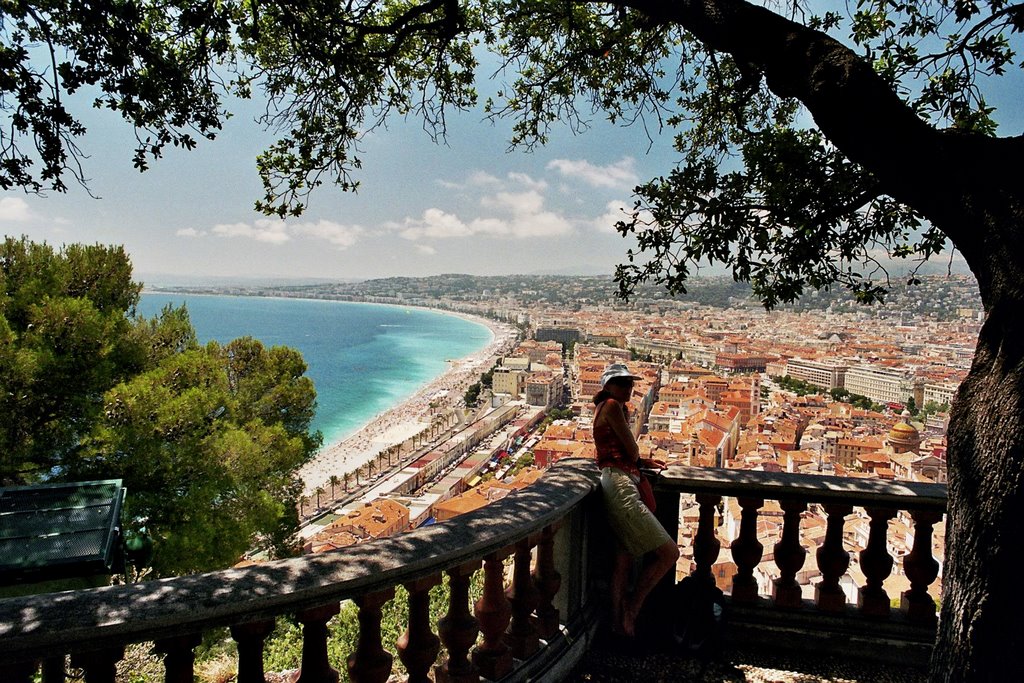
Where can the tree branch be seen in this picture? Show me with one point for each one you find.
(942, 173)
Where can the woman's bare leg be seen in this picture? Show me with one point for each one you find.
(665, 557)
(620, 582)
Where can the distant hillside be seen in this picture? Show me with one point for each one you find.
(941, 297)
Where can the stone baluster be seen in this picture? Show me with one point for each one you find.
(315, 667)
(833, 560)
(458, 628)
(492, 657)
(705, 544)
(789, 556)
(25, 672)
(418, 646)
(370, 663)
(18, 672)
(522, 637)
(179, 657)
(53, 670)
(548, 581)
(249, 637)
(99, 666)
(876, 563)
(921, 568)
(746, 552)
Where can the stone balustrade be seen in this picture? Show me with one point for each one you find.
(534, 626)
(544, 527)
(837, 497)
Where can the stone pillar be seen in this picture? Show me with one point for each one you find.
(492, 657)
(921, 568)
(789, 556)
(746, 552)
(458, 628)
(547, 581)
(18, 672)
(100, 666)
(370, 663)
(179, 657)
(833, 560)
(418, 646)
(315, 667)
(53, 670)
(522, 637)
(706, 545)
(876, 563)
(249, 637)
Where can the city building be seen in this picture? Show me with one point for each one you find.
(882, 384)
(374, 519)
(825, 374)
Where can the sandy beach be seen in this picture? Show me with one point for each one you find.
(409, 417)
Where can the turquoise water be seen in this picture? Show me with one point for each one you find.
(363, 358)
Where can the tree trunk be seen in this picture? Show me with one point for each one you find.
(980, 636)
(960, 183)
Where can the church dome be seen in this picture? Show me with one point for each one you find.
(903, 436)
(901, 431)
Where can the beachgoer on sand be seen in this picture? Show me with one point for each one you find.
(632, 519)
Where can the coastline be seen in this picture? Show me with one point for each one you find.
(409, 417)
(400, 422)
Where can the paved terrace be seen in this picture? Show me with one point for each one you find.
(737, 666)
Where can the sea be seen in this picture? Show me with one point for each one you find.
(363, 358)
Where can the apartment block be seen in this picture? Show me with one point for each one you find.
(883, 385)
(940, 392)
(508, 381)
(824, 374)
(741, 362)
(543, 389)
(560, 334)
(848, 450)
(538, 351)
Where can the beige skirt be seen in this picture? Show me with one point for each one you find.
(636, 527)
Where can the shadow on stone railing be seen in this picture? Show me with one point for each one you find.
(836, 497)
(541, 621)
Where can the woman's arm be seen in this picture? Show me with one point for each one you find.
(617, 421)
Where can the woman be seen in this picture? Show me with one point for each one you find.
(637, 530)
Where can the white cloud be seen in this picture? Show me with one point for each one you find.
(616, 211)
(524, 179)
(341, 236)
(518, 203)
(14, 210)
(621, 174)
(434, 223)
(273, 231)
(480, 178)
(514, 215)
(426, 249)
(512, 208)
(542, 224)
(274, 236)
(189, 232)
(476, 179)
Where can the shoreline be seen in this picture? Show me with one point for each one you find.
(409, 417)
(403, 420)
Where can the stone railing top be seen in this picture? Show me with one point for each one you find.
(38, 625)
(902, 495)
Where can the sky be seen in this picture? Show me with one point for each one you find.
(467, 206)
